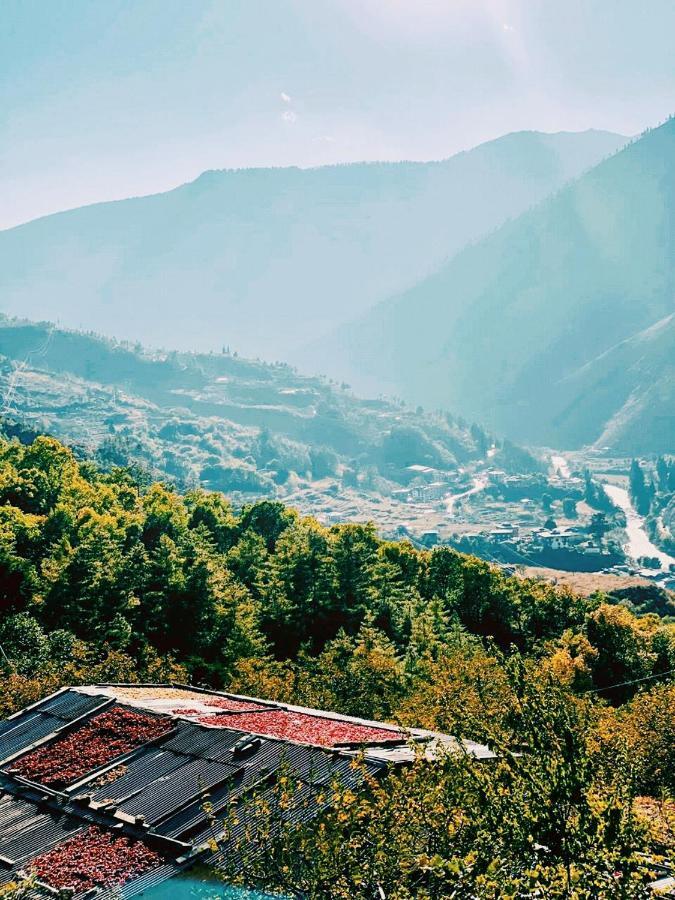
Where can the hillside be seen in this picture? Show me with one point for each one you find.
(555, 328)
(267, 260)
(227, 423)
(632, 385)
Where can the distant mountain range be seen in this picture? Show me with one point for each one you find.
(265, 261)
(557, 328)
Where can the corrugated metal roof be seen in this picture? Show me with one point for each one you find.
(168, 793)
(26, 731)
(21, 732)
(26, 830)
(70, 705)
(157, 792)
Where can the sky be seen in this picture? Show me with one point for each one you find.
(104, 99)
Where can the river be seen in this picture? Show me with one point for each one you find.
(639, 543)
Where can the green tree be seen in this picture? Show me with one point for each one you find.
(569, 506)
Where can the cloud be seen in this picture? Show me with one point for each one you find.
(285, 97)
(289, 116)
(507, 27)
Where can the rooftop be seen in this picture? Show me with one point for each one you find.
(102, 787)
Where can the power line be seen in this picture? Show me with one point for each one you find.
(611, 687)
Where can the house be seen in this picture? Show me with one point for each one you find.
(419, 471)
(429, 492)
(497, 476)
(400, 494)
(561, 538)
(500, 534)
(120, 775)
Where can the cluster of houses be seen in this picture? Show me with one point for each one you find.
(564, 537)
(428, 485)
(532, 484)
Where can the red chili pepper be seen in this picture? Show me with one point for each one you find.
(94, 858)
(233, 705)
(97, 742)
(302, 727)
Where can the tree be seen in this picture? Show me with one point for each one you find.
(268, 518)
(25, 646)
(645, 728)
(638, 488)
(662, 474)
(543, 824)
(464, 692)
(624, 649)
(599, 526)
(569, 506)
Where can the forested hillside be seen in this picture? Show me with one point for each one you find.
(221, 421)
(556, 328)
(265, 260)
(102, 579)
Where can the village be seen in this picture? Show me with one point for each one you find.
(556, 519)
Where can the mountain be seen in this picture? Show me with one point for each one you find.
(556, 328)
(267, 260)
(229, 424)
(632, 387)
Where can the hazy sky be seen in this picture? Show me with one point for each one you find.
(108, 98)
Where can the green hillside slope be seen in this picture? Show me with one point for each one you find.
(218, 420)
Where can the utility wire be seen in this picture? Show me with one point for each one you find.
(611, 687)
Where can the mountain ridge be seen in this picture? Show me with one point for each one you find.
(266, 260)
(227, 170)
(217, 419)
(495, 331)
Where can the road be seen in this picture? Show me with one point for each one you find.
(480, 482)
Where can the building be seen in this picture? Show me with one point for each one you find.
(401, 494)
(429, 492)
(119, 776)
(426, 472)
(506, 531)
(562, 538)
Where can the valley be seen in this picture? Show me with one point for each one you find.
(557, 328)
(254, 430)
(337, 450)
(240, 426)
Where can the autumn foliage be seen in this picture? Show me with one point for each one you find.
(105, 578)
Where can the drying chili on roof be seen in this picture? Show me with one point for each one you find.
(227, 703)
(94, 858)
(99, 741)
(304, 728)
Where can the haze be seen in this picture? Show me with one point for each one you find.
(103, 100)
